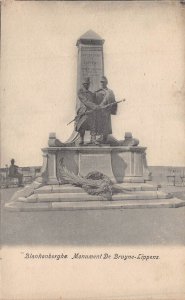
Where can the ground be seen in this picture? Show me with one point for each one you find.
(157, 226)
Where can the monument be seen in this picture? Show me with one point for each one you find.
(95, 176)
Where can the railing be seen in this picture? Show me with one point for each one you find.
(29, 174)
(176, 177)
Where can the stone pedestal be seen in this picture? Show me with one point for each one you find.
(52, 167)
(92, 160)
(126, 166)
(121, 164)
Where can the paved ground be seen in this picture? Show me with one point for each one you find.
(163, 226)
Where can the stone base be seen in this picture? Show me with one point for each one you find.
(67, 197)
(120, 164)
(126, 166)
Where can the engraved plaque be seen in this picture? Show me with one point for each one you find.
(90, 62)
(92, 65)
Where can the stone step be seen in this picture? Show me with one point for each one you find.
(137, 186)
(83, 196)
(142, 195)
(68, 188)
(134, 180)
(95, 205)
(153, 203)
(65, 188)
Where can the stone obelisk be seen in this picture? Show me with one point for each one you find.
(90, 60)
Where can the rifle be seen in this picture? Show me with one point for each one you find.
(98, 108)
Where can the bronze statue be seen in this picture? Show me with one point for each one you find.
(95, 112)
(106, 100)
(86, 117)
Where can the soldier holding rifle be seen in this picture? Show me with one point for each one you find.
(95, 111)
(85, 120)
(104, 97)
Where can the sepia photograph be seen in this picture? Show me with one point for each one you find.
(92, 171)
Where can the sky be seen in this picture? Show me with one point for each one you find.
(144, 62)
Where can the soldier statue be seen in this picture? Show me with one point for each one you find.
(86, 114)
(104, 97)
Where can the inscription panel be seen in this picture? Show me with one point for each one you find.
(92, 66)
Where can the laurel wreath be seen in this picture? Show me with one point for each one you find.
(94, 183)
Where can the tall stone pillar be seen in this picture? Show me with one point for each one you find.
(90, 60)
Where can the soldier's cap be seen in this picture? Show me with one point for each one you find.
(104, 79)
(86, 80)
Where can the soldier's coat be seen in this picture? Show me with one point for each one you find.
(87, 99)
(98, 121)
(103, 117)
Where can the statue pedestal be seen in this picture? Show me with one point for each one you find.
(125, 165)
(120, 164)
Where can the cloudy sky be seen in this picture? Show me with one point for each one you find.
(144, 62)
